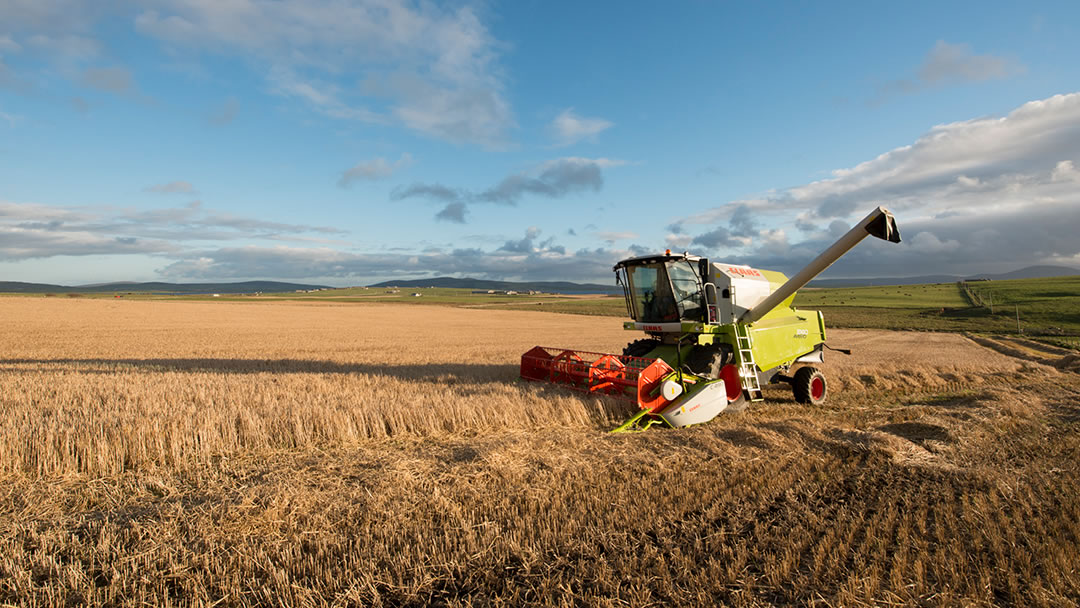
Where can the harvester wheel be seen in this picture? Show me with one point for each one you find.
(708, 360)
(809, 386)
(640, 348)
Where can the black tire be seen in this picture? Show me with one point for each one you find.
(708, 359)
(809, 386)
(640, 348)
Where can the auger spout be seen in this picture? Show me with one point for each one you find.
(880, 223)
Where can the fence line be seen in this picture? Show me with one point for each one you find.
(974, 298)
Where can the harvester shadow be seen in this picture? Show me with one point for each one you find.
(443, 373)
(918, 433)
(605, 409)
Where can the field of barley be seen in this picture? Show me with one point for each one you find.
(320, 453)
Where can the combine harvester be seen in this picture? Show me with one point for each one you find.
(717, 333)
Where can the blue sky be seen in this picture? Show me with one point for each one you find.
(345, 142)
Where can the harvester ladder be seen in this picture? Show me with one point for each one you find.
(747, 365)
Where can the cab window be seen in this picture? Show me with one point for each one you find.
(651, 294)
(687, 290)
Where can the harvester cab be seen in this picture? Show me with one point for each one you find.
(716, 334)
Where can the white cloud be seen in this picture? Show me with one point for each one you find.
(31, 230)
(524, 259)
(225, 113)
(374, 169)
(48, 15)
(603, 163)
(10, 119)
(10, 212)
(323, 97)
(951, 64)
(615, 236)
(179, 187)
(968, 182)
(21, 244)
(1021, 147)
(927, 242)
(67, 47)
(469, 114)
(1065, 171)
(430, 69)
(8, 45)
(179, 236)
(678, 242)
(947, 63)
(112, 79)
(1011, 176)
(52, 31)
(570, 128)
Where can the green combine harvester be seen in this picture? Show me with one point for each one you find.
(716, 334)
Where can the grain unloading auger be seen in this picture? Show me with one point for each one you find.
(717, 333)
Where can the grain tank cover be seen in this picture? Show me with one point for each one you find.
(740, 288)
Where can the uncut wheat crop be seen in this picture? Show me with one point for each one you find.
(100, 387)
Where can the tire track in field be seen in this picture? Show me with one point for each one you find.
(1026, 350)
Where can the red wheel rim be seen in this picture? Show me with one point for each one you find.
(817, 388)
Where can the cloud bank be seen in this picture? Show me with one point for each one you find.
(528, 258)
(35, 231)
(433, 70)
(991, 192)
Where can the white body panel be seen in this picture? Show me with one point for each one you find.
(700, 407)
(738, 289)
(671, 389)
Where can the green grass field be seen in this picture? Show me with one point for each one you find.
(922, 297)
(1045, 306)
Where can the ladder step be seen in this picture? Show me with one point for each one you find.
(746, 357)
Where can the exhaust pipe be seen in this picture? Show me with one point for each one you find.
(880, 223)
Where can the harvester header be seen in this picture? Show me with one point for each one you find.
(716, 333)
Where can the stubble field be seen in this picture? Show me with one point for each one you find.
(193, 453)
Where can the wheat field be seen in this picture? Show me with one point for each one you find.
(219, 453)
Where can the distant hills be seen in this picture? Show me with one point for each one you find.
(157, 287)
(1031, 272)
(544, 286)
